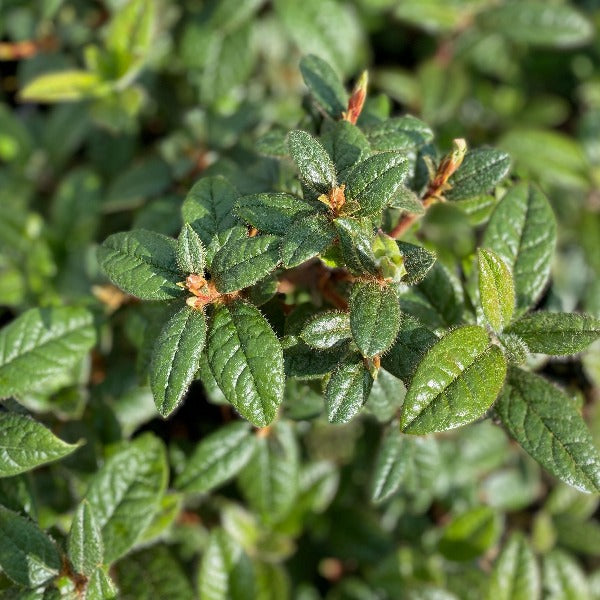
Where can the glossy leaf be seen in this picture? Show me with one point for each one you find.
(304, 362)
(85, 546)
(456, 382)
(305, 239)
(496, 289)
(417, 261)
(324, 85)
(345, 143)
(316, 169)
(326, 329)
(190, 251)
(356, 239)
(347, 390)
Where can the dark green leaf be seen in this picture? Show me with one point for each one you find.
(324, 85)
(246, 360)
(176, 358)
(326, 329)
(316, 169)
(143, 263)
(347, 390)
(400, 133)
(556, 333)
(386, 397)
(496, 289)
(374, 317)
(86, 550)
(240, 263)
(356, 240)
(417, 262)
(390, 465)
(522, 230)
(408, 201)
(305, 239)
(217, 458)
(345, 143)
(190, 251)
(456, 382)
(545, 422)
(303, 362)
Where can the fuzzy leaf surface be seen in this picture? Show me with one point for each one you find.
(345, 143)
(356, 239)
(85, 546)
(306, 238)
(496, 289)
(326, 329)
(347, 390)
(190, 251)
(417, 260)
(315, 166)
(324, 85)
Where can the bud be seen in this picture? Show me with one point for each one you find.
(357, 99)
(388, 257)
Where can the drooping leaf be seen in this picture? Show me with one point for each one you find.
(124, 494)
(217, 458)
(324, 85)
(142, 263)
(246, 360)
(400, 133)
(26, 444)
(345, 143)
(496, 289)
(522, 230)
(556, 333)
(85, 546)
(27, 555)
(41, 345)
(456, 382)
(316, 169)
(306, 238)
(547, 425)
(176, 358)
(374, 317)
(190, 251)
(347, 390)
(326, 329)
(356, 240)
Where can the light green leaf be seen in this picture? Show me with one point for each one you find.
(64, 86)
(547, 425)
(27, 555)
(142, 263)
(316, 169)
(217, 458)
(456, 382)
(374, 317)
(563, 578)
(496, 289)
(190, 251)
(124, 494)
(85, 546)
(522, 231)
(400, 133)
(430, 15)
(26, 444)
(242, 262)
(516, 575)
(306, 238)
(42, 344)
(176, 358)
(556, 333)
(101, 587)
(345, 143)
(326, 329)
(246, 360)
(324, 85)
(347, 390)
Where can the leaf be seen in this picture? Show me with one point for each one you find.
(347, 390)
(563, 578)
(374, 317)
(270, 480)
(306, 238)
(240, 263)
(386, 397)
(373, 182)
(546, 424)
(41, 345)
(246, 360)
(142, 263)
(217, 458)
(345, 143)
(316, 169)
(327, 329)
(64, 86)
(400, 133)
(390, 465)
(85, 546)
(456, 382)
(100, 587)
(190, 251)
(303, 362)
(538, 23)
(27, 555)
(469, 535)
(356, 240)
(124, 494)
(481, 170)
(516, 575)
(273, 212)
(25, 444)
(176, 358)
(556, 333)
(324, 85)
(496, 289)
(417, 262)
(522, 231)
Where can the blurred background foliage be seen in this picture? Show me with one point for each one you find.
(110, 110)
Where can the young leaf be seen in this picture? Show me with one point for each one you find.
(273, 212)
(190, 251)
(373, 182)
(374, 317)
(307, 237)
(556, 333)
(26, 444)
(522, 230)
(240, 263)
(124, 494)
(176, 358)
(217, 458)
(86, 550)
(324, 85)
(516, 575)
(563, 578)
(345, 143)
(142, 263)
(496, 289)
(399, 134)
(27, 555)
(347, 390)
(545, 422)
(246, 360)
(456, 382)
(101, 587)
(326, 329)
(480, 171)
(317, 171)
(64, 86)
(417, 262)
(43, 344)
(356, 240)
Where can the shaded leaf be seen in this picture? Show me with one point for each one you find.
(85, 546)
(345, 143)
(324, 85)
(400, 133)
(347, 390)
